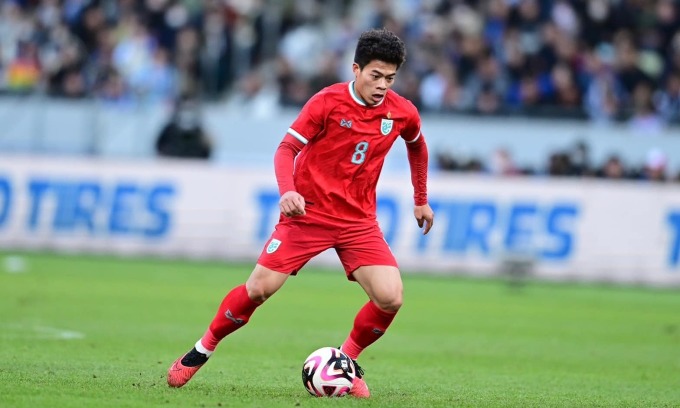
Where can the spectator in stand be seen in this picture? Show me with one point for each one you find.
(645, 121)
(667, 99)
(133, 54)
(604, 94)
(439, 90)
(113, 91)
(628, 71)
(559, 164)
(485, 87)
(613, 169)
(655, 166)
(66, 77)
(23, 73)
(579, 156)
(217, 48)
(562, 90)
(502, 163)
(184, 136)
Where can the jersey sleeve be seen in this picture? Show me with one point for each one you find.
(417, 156)
(310, 121)
(418, 162)
(411, 131)
(284, 163)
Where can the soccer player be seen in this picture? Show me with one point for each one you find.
(327, 170)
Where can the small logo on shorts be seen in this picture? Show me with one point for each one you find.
(273, 246)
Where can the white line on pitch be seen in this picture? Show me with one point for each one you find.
(59, 333)
(24, 331)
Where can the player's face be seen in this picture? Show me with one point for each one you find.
(374, 80)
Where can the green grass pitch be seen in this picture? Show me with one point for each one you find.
(101, 332)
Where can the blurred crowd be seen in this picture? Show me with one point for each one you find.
(574, 161)
(608, 60)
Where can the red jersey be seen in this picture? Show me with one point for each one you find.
(346, 142)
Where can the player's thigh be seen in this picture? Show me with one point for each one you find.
(368, 259)
(363, 245)
(382, 284)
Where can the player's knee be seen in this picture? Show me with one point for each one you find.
(258, 292)
(263, 283)
(258, 295)
(390, 303)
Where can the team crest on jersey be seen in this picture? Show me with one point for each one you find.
(273, 246)
(386, 126)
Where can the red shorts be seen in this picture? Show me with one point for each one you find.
(296, 240)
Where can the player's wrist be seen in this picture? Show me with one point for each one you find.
(288, 192)
(420, 201)
(285, 191)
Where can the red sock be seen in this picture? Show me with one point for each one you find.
(371, 323)
(234, 313)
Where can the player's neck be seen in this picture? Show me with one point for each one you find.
(356, 95)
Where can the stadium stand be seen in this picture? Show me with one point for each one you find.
(603, 61)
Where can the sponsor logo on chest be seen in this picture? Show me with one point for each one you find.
(346, 123)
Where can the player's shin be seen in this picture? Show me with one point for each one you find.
(369, 325)
(233, 313)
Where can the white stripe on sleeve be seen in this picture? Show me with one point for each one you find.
(416, 138)
(298, 136)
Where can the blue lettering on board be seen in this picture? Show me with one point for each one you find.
(5, 200)
(674, 252)
(98, 208)
(487, 227)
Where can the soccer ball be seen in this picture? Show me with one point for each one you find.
(328, 372)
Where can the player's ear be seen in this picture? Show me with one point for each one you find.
(356, 69)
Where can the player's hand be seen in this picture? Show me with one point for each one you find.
(424, 216)
(292, 204)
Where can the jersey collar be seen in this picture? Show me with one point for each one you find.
(358, 98)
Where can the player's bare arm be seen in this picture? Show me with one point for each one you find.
(291, 204)
(425, 217)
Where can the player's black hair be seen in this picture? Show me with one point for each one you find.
(379, 44)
